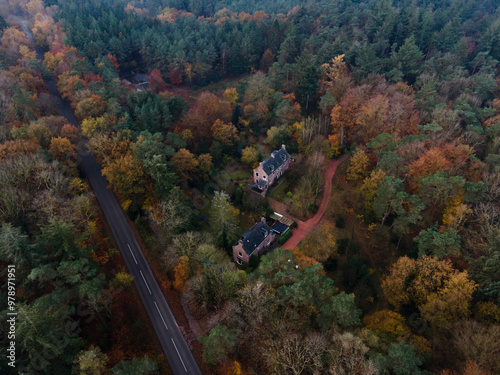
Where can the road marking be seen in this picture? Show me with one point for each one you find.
(179, 354)
(132, 253)
(145, 281)
(161, 315)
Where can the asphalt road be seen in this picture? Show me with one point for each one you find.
(176, 350)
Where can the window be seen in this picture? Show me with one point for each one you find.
(256, 174)
(264, 177)
(240, 254)
(283, 157)
(271, 167)
(239, 261)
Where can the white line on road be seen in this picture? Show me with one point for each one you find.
(145, 281)
(179, 354)
(135, 260)
(161, 315)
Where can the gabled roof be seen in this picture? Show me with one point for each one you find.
(261, 184)
(254, 237)
(276, 160)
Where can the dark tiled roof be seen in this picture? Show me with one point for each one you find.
(280, 228)
(273, 162)
(254, 236)
(261, 184)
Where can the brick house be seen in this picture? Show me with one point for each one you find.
(253, 242)
(270, 169)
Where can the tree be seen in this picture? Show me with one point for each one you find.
(224, 219)
(185, 164)
(63, 150)
(156, 82)
(358, 166)
(438, 244)
(218, 344)
(293, 354)
(227, 134)
(408, 59)
(71, 132)
(231, 95)
(306, 74)
(135, 366)
(91, 361)
(451, 303)
(278, 135)
(441, 293)
(476, 342)
(320, 243)
(250, 156)
(182, 273)
(126, 176)
(94, 106)
(14, 246)
(402, 359)
(388, 325)
(370, 187)
(340, 310)
(205, 166)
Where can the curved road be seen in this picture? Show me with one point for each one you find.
(176, 350)
(304, 227)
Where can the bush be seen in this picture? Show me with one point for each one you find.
(285, 236)
(254, 261)
(313, 207)
(340, 222)
(295, 225)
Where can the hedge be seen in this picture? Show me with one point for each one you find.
(285, 236)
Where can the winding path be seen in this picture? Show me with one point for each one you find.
(304, 227)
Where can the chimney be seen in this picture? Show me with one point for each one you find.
(283, 146)
(263, 220)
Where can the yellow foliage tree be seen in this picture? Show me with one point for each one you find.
(358, 166)
(205, 165)
(488, 312)
(231, 95)
(227, 134)
(186, 164)
(182, 273)
(441, 293)
(250, 156)
(333, 139)
(455, 213)
(302, 259)
(450, 303)
(370, 187)
(320, 243)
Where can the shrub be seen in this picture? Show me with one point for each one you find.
(285, 236)
(340, 222)
(295, 225)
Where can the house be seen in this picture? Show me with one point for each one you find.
(270, 170)
(253, 242)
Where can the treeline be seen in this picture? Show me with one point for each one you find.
(376, 37)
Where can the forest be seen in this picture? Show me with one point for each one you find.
(402, 274)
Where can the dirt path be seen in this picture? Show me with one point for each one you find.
(304, 227)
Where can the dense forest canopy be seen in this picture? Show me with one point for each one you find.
(402, 273)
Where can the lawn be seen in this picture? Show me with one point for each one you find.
(280, 193)
(241, 174)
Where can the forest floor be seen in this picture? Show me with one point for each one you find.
(304, 227)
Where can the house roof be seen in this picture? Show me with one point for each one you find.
(254, 237)
(276, 160)
(280, 228)
(261, 184)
